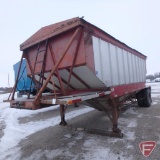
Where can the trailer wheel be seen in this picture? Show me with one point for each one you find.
(144, 98)
(139, 97)
(147, 97)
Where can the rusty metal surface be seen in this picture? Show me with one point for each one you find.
(50, 31)
(58, 44)
(74, 57)
(60, 27)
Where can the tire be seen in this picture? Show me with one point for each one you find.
(139, 97)
(147, 97)
(144, 98)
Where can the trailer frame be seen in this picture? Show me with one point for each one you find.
(114, 96)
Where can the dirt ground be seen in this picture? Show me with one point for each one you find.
(61, 143)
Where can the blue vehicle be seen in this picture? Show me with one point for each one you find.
(23, 85)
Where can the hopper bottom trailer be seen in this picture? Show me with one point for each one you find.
(77, 62)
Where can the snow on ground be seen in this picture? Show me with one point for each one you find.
(3, 97)
(155, 89)
(14, 132)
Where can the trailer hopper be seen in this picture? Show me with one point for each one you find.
(79, 62)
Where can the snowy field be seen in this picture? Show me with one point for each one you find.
(20, 130)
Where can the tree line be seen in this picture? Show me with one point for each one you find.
(154, 76)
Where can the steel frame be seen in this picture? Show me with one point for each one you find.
(35, 102)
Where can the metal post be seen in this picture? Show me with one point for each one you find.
(57, 71)
(74, 59)
(62, 112)
(56, 65)
(14, 88)
(114, 118)
(31, 69)
(116, 132)
(32, 75)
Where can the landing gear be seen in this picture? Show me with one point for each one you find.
(116, 132)
(62, 112)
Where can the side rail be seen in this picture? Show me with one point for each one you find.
(68, 100)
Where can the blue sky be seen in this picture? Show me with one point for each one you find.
(134, 22)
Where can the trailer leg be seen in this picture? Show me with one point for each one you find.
(116, 132)
(62, 112)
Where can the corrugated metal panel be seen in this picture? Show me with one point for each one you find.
(126, 70)
(141, 70)
(134, 69)
(114, 66)
(106, 63)
(97, 57)
(130, 67)
(129, 81)
(144, 70)
(121, 66)
(137, 69)
(142, 65)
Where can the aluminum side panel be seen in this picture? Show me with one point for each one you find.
(106, 64)
(144, 69)
(134, 69)
(121, 66)
(137, 70)
(97, 57)
(114, 65)
(130, 67)
(141, 70)
(102, 60)
(126, 68)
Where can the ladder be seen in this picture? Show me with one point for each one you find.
(39, 82)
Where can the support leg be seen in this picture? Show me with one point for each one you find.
(116, 132)
(62, 112)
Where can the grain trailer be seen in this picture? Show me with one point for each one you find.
(78, 62)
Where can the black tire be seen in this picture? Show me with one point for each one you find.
(139, 97)
(144, 98)
(147, 97)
